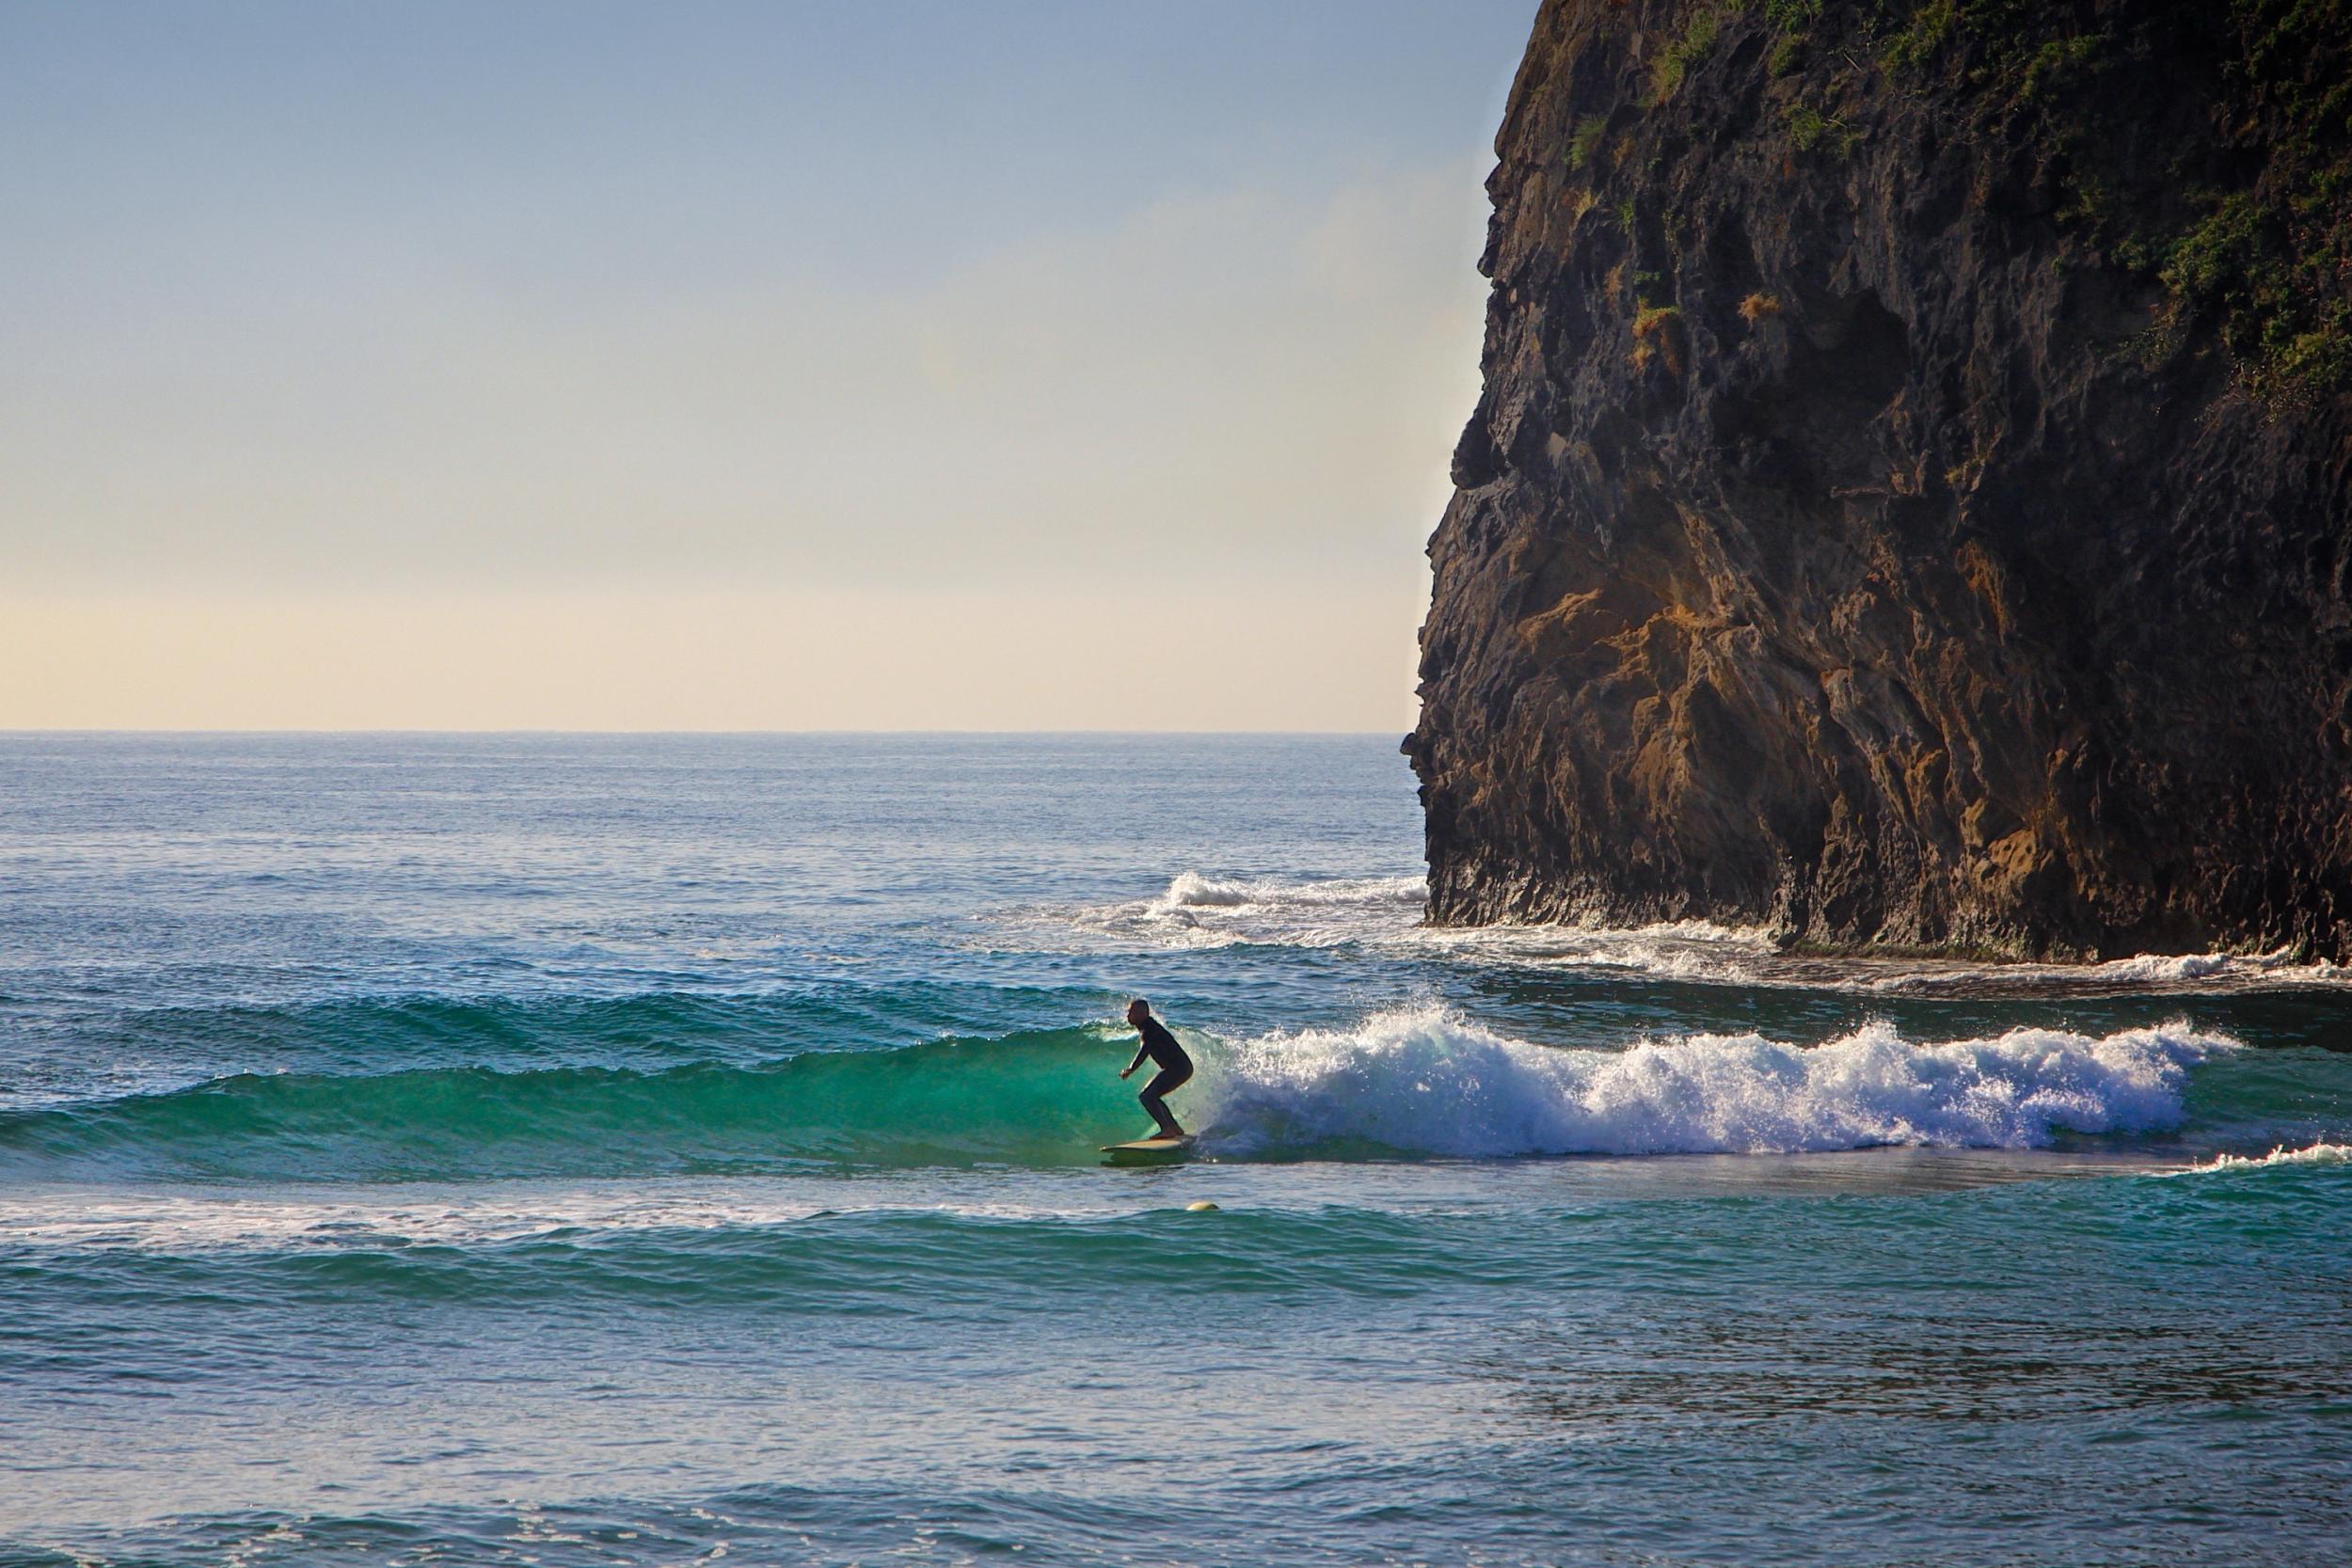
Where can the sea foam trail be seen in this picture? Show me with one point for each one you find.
(2315, 1154)
(1425, 1081)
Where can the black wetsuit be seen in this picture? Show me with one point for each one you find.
(1175, 1069)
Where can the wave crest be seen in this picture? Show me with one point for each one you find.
(1195, 909)
(1192, 890)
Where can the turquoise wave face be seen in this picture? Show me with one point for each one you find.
(641, 1030)
(1046, 1099)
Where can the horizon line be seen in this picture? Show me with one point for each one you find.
(7, 733)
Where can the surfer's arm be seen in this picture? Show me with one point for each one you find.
(1141, 1052)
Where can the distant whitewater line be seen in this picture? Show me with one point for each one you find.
(1200, 910)
(1189, 889)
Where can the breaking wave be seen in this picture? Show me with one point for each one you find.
(1197, 910)
(1412, 1083)
(1191, 891)
(1424, 1081)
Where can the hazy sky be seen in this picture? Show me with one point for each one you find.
(881, 365)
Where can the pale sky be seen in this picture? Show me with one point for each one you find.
(767, 366)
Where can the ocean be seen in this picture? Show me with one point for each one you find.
(536, 1149)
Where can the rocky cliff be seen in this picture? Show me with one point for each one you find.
(1908, 506)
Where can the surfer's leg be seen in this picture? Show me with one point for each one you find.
(1165, 1079)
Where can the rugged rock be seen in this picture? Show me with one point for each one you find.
(1908, 506)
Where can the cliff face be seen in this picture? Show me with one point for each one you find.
(1909, 501)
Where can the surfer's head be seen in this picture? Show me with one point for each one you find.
(1138, 1010)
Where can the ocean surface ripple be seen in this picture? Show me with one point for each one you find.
(595, 1150)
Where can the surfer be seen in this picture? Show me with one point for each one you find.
(1168, 1056)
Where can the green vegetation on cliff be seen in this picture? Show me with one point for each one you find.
(1910, 502)
(2250, 236)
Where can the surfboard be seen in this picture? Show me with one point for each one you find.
(1144, 1149)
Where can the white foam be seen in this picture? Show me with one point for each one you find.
(327, 1218)
(1192, 890)
(1396, 901)
(1673, 950)
(180, 1222)
(1200, 910)
(2159, 967)
(2207, 973)
(491, 1213)
(2315, 1154)
(1426, 1082)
